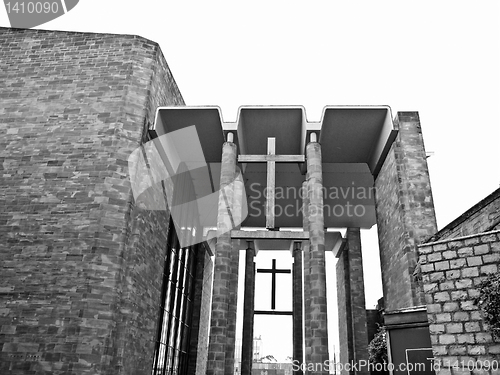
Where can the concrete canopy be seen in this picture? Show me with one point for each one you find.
(354, 142)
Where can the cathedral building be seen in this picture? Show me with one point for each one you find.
(108, 267)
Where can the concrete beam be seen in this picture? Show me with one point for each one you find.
(269, 235)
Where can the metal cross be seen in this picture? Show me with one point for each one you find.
(273, 271)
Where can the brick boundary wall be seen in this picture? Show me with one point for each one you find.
(451, 271)
(482, 217)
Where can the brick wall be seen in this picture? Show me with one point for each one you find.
(79, 285)
(405, 212)
(482, 217)
(451, 271)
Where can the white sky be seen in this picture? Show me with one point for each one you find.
(440, 58)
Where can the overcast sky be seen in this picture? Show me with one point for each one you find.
(440, 58)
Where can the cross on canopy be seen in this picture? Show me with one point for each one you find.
(271, 159)
(273, 271)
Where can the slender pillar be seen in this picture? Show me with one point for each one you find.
(298, 337)
(198, 322)
(233, 281)
(317, 304)
(358, 308)
(351, 303)
(307, 273)
(221, 320)
(248, 312)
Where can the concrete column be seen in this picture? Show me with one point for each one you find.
(307, 284)
(221, 322)
(317, 304)
(196, 344)
(353, 331)
(248, 312)
(298, 337)
(344, 309)
(236, 212)
(358, 304)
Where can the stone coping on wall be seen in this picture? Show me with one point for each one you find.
(458, 238)
(415, 315)
(480, 208)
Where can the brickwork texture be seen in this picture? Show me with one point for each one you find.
(351, 302)
(79, 287)
(201, 316)
(316, 307)
(482, 217)
(451, 272)
(405, 213)
(223, 321)
(344, 310)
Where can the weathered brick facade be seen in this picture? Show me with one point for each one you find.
(81, 264)
(405, 213)
(405, 217)
(452, 264)
(482, 217)
(451, 271)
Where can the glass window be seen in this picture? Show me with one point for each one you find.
(174, 328)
